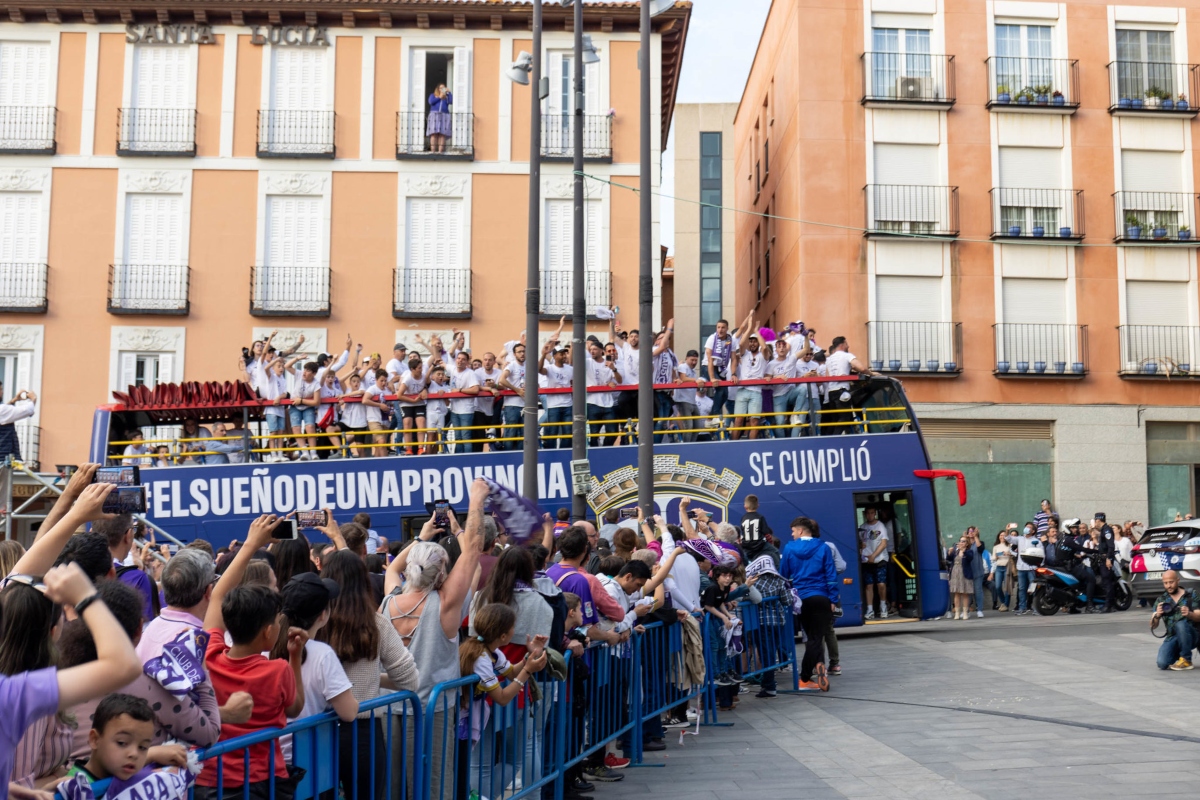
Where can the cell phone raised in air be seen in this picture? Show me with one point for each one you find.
(628, 513)
(125, 500)
(128, 475)
(311, 519)
(284, 529)
(440, 516)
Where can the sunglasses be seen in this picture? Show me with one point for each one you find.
(32, 581)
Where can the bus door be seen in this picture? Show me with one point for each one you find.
(895, 511)
(833, 511)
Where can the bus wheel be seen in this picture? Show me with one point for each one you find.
(1043, 605)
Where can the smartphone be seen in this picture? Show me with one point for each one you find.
(311, 519)
(126, 500)
(628, 513)
(440, 517)
(129, 475)
(691, 513)
(284, 529)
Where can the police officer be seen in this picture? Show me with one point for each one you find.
(1103, 562)
(1073, 548)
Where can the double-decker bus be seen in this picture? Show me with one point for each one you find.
(877, 459)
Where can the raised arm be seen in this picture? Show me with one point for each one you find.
(394, 577)
(258, 537)
(470, 541)
(79, 481)
(665, 341)
(664, 569)
(41, 554)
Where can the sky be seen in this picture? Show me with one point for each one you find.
(722, 38)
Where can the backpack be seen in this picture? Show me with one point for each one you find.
(558, 626)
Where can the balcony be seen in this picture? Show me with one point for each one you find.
(29, 438)
(1046, 214)
(558, 137)
(912, 80)
(413, 143)
(1153, 87)
(1034, 85)
(295, 134)
(149, 289)
(1037, 350)
(27, 130)
(23, 288)
(918, 348)
(1158, 351)
(911, 211)
(156, 132)
(289, 291)
(1161, 218)
(557, 299)
(426, 293)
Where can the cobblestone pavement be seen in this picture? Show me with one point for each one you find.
(1055, 707)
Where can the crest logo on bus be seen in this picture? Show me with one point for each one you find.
(673, 480)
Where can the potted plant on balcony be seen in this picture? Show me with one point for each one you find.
(1135, 103)
(1022, 367)
(1154, 97)
(914, 365)
(1181, 103)
(1039, 367)
(1057, 98)
(951, 366)
(1038, 231)
(1185, 233)
(1077, 367)
(931, 365)
(1160, 232)
(1002, 367)
(1014, 230)
(894, 365)
(1125, 102)
(877, 364)
(1064, 232)
(1150, 368)
(1185, 368)
(1025, 96)
(1060, 367)
(1042, 94)
(1002, 95)
(1133, 227)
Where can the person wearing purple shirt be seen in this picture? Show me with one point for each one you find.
(119, 530)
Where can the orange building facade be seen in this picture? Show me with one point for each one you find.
(174, 184)
(995, 201)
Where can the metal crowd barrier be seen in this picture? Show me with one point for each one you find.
(398, 750)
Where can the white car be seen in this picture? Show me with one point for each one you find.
(1174, 546)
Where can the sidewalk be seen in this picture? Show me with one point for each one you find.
(998, 621)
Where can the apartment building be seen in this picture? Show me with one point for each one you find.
(704, 232)
(995, 201)
(176, 182)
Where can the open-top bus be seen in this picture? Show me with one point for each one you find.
(879, 460)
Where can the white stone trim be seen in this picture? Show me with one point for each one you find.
(228, 92)
(91, 73)
(366, 103)
(155, 340)
(408, 336)
(26, 339)
(314, 339)
(154, 181)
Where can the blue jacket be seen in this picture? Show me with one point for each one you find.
(968, 563)
(808, 564)
(441, 104)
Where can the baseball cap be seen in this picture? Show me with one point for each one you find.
(400, 346)
(306, 595)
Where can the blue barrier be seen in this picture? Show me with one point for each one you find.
(400, 751)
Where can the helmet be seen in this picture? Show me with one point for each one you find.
(1071, 523)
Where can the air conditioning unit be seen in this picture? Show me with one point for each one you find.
(914, 89)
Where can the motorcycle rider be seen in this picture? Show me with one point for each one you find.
(1075, 547)
(1104, 563)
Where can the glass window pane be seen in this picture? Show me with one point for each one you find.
(1158, 47)
(710, 144)
(710, 313)
(710, 168)
(710, 217)
(710, 241)
(1129, 45)
(711, 269)
(710, 290)
(710, 196)
(886, 40)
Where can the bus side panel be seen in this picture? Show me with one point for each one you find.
(98, 450)
(934, 588)
(833, 511)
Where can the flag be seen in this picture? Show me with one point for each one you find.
(521, 518)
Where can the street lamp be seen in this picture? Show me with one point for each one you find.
(523, 68)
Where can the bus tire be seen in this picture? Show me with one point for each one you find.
(1043, 605)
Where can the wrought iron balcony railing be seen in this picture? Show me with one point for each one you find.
(1159, 350)
(1155, 217)
(414, 141)
(1047, 85)
(23, 287)
(149, 289)
(441, 293)
(917, 347)
(1041, 349)
(27, 130)
(1037, 213)
(914, 211)
(1153, 87)
(558, 137)
(295, 134)
(920, 79)
(558, 297)
(156, 132)
(289, 291)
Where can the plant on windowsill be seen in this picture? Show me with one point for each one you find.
(1002, 95)
(1025, 96)
(1154, 96)
(1058, 99)
(1042, 94)
(1133, 227)
(1185, 233)
(1014, 230)
(1181, 104)
(1038, 231)
(1160, 231)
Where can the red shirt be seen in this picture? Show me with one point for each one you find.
(273, 687)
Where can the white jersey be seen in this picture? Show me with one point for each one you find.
(410, 385)
(558, 378)
(485, 402)
(516, 376)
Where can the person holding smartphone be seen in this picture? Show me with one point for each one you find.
(22, 406)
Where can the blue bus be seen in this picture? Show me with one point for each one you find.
(879, 461)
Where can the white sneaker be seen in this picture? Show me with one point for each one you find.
(883, 611)
(979, 614)
(870, 614)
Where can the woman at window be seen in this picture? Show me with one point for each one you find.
(440, 126)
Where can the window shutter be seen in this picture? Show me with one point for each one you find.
(24, 376)
(906, 164)
(555, 71)
(417, 96)
(154, 229)
(127, 371)
(1035, 300)
(904, 298)
(591, 235)
(308, 231)
(20, 223)
(1030, 168)
(312, 78)
(24, 73)
(160, 76)
(558, 235)
(1152, 171)
(166, 367)
(462, 80)
(591, 89)
(276, 233)
(1156, 302)
(298, 82)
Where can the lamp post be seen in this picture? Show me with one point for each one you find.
(527, 66)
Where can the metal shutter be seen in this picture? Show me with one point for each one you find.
(904, 298)
(1151, 171)
(1156, 302)
(153, 229)
(907, 164)
(1035, 300)
(933, 428)
(1031, 167)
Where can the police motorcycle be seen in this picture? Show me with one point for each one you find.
(1054, 589)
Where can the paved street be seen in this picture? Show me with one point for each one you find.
(905, 720)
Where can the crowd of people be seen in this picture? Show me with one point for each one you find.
(119, 658)
(433, 398)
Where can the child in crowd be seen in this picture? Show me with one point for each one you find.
(562, 521)
(137, 453)
(120, 738)
(354, 415)
(435, 410)
(481, 655)
(714, 598)
(377, 409)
